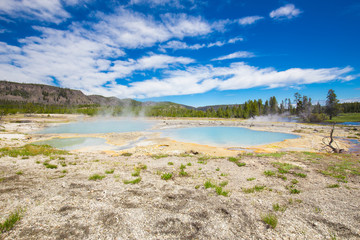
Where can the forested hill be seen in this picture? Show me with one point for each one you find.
(50, 95)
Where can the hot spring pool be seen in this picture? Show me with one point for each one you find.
(74, 143)
(212, 136)
(100, 126)
(225, 136)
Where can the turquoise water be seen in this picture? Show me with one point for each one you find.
(100, 126)
(73, 143)
(225, 136)
(351, 123)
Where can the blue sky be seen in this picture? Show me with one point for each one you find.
(186, 51)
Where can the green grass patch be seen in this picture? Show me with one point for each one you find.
(11, 220)
(302, 175)
(158, 156)
(294, 191)
(270, 219)
(333, 186)
(281, 176)
(250, 179)
(241, 164)
(209, 184)
(19, 172)
(256, 188)
(269, 173)
(233, 159)
(126, 154)
(170, 163)
(51, 166)
(202, 162)
(136, 173)
(223, 184)
(220, 191)
(166, 176)
(236, 161)
(182, 173)
(274, 155)
(96, 177)
(185, 155)
(182, 166)
(342, 167)
(345, 117)
(284, 166)
(142, 166)
(135, 181)
(277, 207)
(312, 155)
(294, 181)
(189, 164)
(203, 158)
(63, 163)
(111, 171)
(224, 174)
(30, 150)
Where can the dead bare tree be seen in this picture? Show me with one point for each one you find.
(331, 141)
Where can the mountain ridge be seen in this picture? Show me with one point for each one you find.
(48, 95)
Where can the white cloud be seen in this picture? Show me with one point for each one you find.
(74, 61)
(238, 75)
(175, 45)
(249, 20)
(129, 29)
(239, 54)
(285, 12)
(153, 3)
(43, 10)
(236, 39)
(350, 100)
(181, 25)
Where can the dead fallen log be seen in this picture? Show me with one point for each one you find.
(331, 142)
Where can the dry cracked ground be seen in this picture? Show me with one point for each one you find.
(293, 195)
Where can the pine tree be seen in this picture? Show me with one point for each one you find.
(332, 104)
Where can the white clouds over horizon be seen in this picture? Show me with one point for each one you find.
(123, 53)
(238, 75)
(285, 12)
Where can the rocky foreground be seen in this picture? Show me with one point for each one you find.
(94, 195)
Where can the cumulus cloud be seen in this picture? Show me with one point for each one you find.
(73, 60)
(126, 28)
(200, 79)
(239, 54)
(285, 12)
(249, 20)
(49, 11)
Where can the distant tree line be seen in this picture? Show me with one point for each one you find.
(302, 107)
